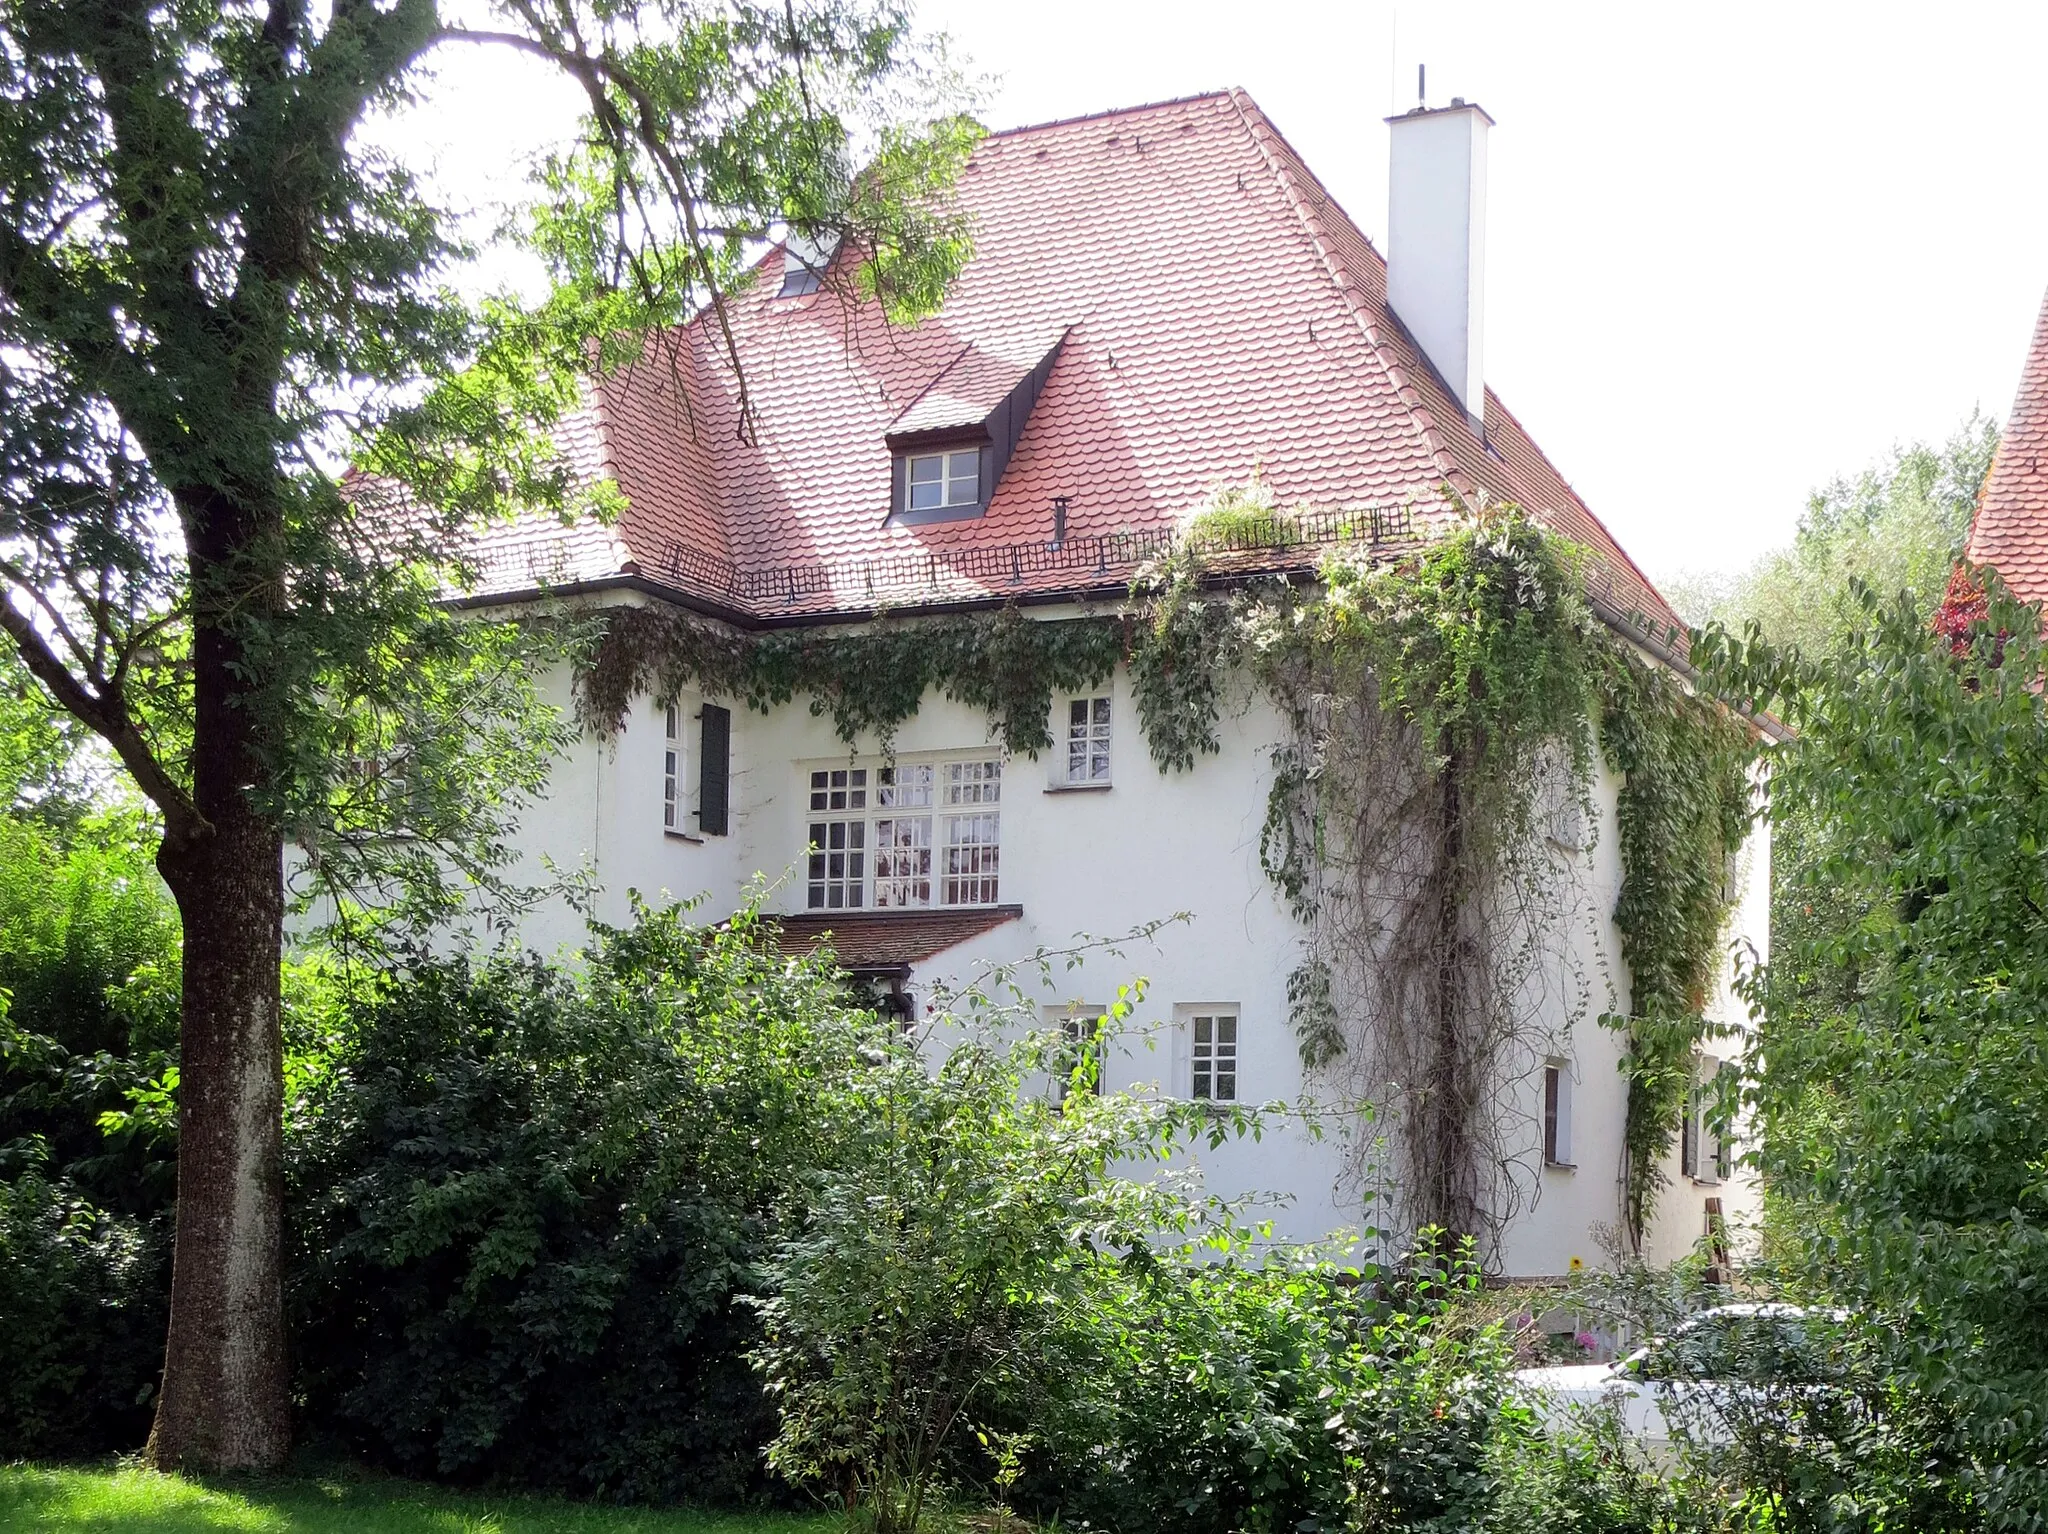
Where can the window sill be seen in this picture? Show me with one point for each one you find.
(682, 836)
(928, 515)
(1708, 1182)
(1079, 788)
(1560, 1166)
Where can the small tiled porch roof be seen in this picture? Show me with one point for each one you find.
(887, 942)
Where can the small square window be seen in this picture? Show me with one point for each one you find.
(938, 481)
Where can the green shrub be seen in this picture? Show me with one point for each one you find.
(1280, 1395)
(524, 1205)
(88, 1030)
(83, 1303)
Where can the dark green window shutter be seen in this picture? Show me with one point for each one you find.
(714, 774)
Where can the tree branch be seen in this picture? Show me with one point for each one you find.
(106, 716)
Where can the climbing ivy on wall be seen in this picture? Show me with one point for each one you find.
(1442, 706)
(869, 680)
(1685, 807)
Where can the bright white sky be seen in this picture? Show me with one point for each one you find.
(1733, 250)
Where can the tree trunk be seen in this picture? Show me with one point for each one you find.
(224, 1402)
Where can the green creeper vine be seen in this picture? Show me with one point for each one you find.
(1434, 702)
(1443, 708)
(869, 680)
(1684, 811)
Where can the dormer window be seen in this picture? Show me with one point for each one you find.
(939, 481)
(949, 446)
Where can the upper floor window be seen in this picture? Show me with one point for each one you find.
(1088, 740)
(909, 834)
(672, 770)
(936, 481)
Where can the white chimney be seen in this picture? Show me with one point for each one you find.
(1436, 240)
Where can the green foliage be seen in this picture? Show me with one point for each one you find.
(1902, 1117)
(1683, 813)
(88, 1029)
(83, 1298)
(1276, 1395)
(1483, 642)
(949, 1250)
(1438, 703)
(525, 1204)
(1181, 659)
(869, 680)
(1897, 526)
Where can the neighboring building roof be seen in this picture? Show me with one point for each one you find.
(2010, 529)
(888, 942)
(1222, 317)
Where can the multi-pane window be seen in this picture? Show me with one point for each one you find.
(672, 770)
(934, 481)
(1081, 1041)
(839, 838)
(1215, 1056)
(924, 834)
(1088, 740)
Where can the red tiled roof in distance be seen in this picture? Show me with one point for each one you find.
(1222, 316)
(2010, 529)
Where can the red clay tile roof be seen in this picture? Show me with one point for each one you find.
(2010, 530)
(1222, 317)
(884, 940)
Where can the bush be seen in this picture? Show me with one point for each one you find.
(83, 1304)
(88, 1030)
(525, 1205)
(1001, 1291)
(1282, 1395)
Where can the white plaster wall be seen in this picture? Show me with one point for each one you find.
(1103, 862)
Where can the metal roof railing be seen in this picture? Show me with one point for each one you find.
(1258, 544)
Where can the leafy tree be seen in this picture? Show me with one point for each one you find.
(1902, 1109)
(212, 293)
(1897, 526)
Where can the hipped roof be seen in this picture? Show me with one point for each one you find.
(1222, 317)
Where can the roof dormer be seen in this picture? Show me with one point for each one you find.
(952, 442)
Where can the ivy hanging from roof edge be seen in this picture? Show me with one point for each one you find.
(869, 680)
(1455, 694)
(1444, 712)
(1685, 810)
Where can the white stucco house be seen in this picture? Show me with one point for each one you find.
(1162, 300)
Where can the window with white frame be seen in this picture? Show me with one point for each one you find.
(936, 481)
(1705, 1152)
(1081, 1034)
(839, 839)
(1088, 740)
(906, 835)
(672, 787)
(1557, 1113)
(1213, 1055)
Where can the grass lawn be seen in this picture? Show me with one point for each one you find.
(35, 1497)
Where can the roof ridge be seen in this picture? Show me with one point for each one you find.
(1259, 128)
(1108, 112)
